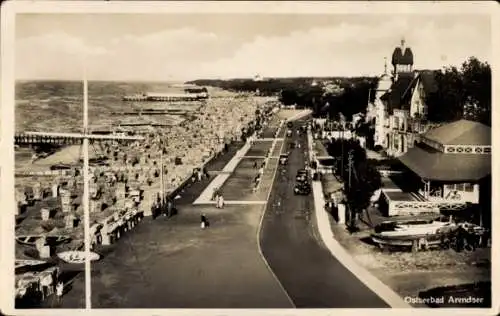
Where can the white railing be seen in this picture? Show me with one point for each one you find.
(415, 207)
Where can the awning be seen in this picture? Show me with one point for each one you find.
(434, 165)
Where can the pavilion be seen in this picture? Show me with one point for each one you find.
(453, 163)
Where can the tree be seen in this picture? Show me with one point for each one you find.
(477, 86)
(361, 178)
(462, 93)
(354, 98)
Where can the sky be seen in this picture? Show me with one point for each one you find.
(165, 47)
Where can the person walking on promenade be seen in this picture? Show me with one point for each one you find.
(59, 292)
(217, 197)
(217, 201)
(203, 222)
(221, 201)
(169, 208)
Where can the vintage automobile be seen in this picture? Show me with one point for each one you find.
(302, 188)
(301, 175)
(283, 159)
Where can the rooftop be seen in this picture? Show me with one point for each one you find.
(402, 55)
(462, 132)
(435, 165)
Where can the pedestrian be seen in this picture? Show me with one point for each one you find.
(221, 200)
(203, 223)
(255, 165)
(46, 282)
(169, 208)
(59, 291)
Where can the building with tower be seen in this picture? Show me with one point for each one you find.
(402, 59)
(376, 113)
(399, 111)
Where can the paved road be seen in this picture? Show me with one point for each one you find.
(293, 248)
(174, 264)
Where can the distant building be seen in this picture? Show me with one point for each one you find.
(258, 77)
(332, 88)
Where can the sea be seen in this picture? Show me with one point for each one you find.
(57, 106)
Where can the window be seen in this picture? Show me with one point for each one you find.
(459, 187)
(468, 187)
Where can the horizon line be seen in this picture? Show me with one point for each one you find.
(198, 79)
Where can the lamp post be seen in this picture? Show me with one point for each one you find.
(351, 211)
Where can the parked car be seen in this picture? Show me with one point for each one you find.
(283, 159)
(301, 175)
(302, 188)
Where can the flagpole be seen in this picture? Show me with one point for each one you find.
(161, 177)
(86, 211)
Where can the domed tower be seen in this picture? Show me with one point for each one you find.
(402, 59)
(384, 82)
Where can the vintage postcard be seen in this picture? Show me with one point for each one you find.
(266, 157)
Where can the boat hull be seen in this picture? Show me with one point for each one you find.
(406, 240)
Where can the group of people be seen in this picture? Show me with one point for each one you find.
(174, 154)
(218, 198)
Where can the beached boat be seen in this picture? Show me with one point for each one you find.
(30, 240)
(21, 263)
(77, 257)
(404, 233)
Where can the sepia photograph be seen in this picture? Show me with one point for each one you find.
(243, 156)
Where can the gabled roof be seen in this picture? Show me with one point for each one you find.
(462, 132)
(398, 97)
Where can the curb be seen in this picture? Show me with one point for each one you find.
(336, 249)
